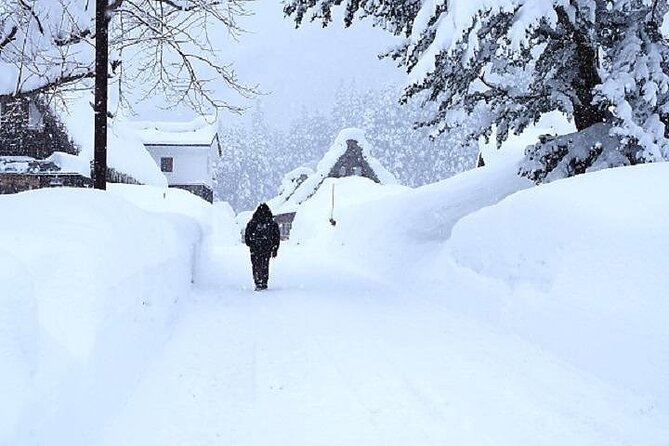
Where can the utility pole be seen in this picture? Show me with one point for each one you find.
(100, 106)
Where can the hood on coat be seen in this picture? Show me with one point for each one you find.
(263, 212)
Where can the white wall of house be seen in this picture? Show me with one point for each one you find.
(190, 164)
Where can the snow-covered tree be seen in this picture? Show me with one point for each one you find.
(307, 137)
(257, 155)
(253, 162)
(162, 46)
(507, 62)
(412, 154)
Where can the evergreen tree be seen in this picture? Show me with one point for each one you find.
(257, 156)
(507, 62)
(306, 139)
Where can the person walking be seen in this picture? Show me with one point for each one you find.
(262, 237)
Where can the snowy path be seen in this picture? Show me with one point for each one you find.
(329, 356)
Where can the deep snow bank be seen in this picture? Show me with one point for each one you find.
(216, 221)
(334, 197)
(585, 263)
(389, 226)
(87, 281)
(577, 267)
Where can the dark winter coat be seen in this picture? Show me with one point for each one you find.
(262, 234)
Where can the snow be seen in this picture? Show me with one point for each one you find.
(56, 162)
(125, 152)
(596, 143)
(289, 183)
(554, 124)
(200, 131)
(89, 282)
(215, 221)
(290, 202)
(15, 164)
(32, 60)
(70, 163)
(480, 310)
(585, 273)
(292, 179)
(387, 237)
(459, 19)
(354, 345)
(312, 219)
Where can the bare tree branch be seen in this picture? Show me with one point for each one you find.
(53, 87)
(159, 47)
(30, 9)
(9, 37)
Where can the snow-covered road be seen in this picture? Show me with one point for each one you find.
(433, 316)
(331, 356)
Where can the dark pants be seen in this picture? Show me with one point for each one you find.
(260, 263)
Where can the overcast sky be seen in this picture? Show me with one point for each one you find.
(300, 67)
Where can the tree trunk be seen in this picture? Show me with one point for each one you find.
(100, 107)
(586, 112)
(480, 162)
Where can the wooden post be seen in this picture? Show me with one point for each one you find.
(100, 106)
(333, 222)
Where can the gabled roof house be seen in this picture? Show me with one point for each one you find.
(35, 149)
(349, 155)
(185, 152)
(42, 145)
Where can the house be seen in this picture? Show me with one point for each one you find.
(291, 181)
(42, 145)
(35, 149)
(185, 152)
(29, 128)
(353, 162)
(285, 222)
(349, 155)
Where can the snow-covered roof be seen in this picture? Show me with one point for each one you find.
(15, 164)
(201, 131)
(292, 179)
(340, 146)
(125, 152)
(290, 182)
(290, 202)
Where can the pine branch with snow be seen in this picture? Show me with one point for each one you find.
(507, 62)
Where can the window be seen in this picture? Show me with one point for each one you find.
(166, 164)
